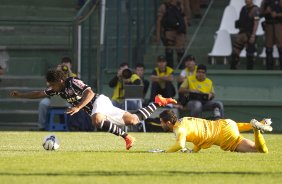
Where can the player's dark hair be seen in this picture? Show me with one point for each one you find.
(54, 75)
(169, 115)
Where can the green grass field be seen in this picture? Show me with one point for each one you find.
(102, 158)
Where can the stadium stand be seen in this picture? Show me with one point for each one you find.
(35, 34)
(222, 46)
(275, 54)
(228, 20)
(30, 38)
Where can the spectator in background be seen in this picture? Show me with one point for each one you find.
(247, 25)
(139, 70)
(272, 12)
(130, 78)
(171, 28)
(44, 104)
(162, 78)
(200, 92)
(190, 69)
(117, 83)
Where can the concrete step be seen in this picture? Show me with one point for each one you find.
(18, 126)
(22, 81)
(20, 104)
(18, 116)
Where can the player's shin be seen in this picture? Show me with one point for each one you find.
(112, 128)
(146, 112)
(260, 142)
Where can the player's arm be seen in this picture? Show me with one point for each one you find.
(168, 78)
(87, 96)
(180, 142)
(29, 95)
(154, 77)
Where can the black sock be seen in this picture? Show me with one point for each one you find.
(145, 112)
(112, 128)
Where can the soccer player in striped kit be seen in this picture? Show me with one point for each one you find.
(104, 115)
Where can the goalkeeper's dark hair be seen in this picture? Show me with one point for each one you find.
(55, 75)
(168, 115)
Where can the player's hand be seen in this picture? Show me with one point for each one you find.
(15, 94)
(72, 110)
(210, 96)
(186, 150)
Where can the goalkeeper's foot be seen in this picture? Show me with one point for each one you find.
(164, 101)
(266, 121)
(260, 126)
(129, 141)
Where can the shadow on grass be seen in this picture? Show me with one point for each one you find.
(140, 173)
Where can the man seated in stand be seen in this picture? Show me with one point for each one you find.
(200, 93)
(162, 79)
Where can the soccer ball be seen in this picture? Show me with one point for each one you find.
(50, 143)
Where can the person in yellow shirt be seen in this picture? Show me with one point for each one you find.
(200, 92)
(189, 70)
(161, 80)
(206, 133)
(117, 83)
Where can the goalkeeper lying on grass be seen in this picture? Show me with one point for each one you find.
(223, 132)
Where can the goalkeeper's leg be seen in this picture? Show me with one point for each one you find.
(265, 124)
(244, 127)
(260, 142)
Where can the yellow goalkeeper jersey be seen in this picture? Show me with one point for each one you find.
(205, 133)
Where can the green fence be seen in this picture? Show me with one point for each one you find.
(128, 25)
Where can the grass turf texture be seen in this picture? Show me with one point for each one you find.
(102, 158)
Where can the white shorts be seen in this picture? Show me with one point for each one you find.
(104, 106)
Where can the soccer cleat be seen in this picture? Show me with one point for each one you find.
(164, 101)
(266, 121)
(129, 141)
(260, 126)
